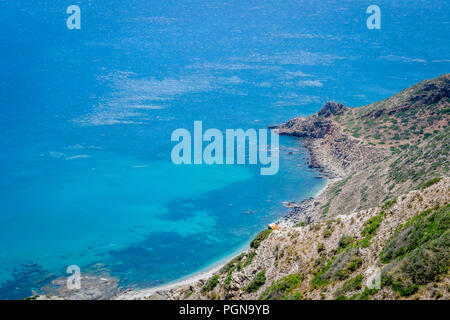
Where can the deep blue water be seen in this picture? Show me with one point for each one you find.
(86, 118)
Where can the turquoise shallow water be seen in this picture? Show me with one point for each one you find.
(148, 222)
(86, 118)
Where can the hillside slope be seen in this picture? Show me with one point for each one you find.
(381, 150)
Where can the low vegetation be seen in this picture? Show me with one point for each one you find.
(282, 289)
(430, 182)
(263, 235)
(350, 285)
(418, 253)
(210, 284)
(338, 268)
(257, 282)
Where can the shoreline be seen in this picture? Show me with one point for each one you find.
(163, 291)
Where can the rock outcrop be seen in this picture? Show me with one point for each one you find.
(332, 151)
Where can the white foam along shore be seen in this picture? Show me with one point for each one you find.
(142, 294)
(203, 274)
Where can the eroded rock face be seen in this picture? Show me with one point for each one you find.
(298, 213)
(331, 109)
(432, 92)
(332, 151)
(306, 127)
(427, 93)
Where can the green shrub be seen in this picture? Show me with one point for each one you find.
(429, 183)
(325, 208)
(232, 263)
(227, 281)
(249, 259)
(301, 224)
(257, 282)
(320, 247)
(389, 204)
(371, 225)
(210, 284)
(320, 279)
(419, 252)
(364, 243)
(263, 235)
(282, 288)
(365, 295)
(236, 264)
(294, 296)
(345, 241)
(351, 285)
(398, 286)
(395, 150)
(425, 227)
(328, 232)
(349, 268)
(338, 268)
